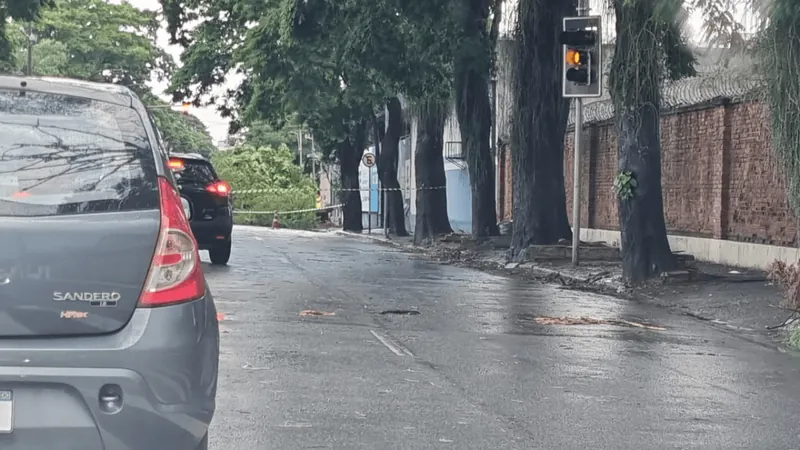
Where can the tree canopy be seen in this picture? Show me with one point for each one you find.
(329, 63)
(16, 10)
(116, 43)
(102, 42)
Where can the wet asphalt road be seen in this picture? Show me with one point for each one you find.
(472, 370)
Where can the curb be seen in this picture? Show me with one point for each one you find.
(366, 237)
(375, 239)
(536, 271)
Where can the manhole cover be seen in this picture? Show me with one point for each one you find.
(401, 312)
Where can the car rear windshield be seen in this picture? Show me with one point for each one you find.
(196, 172)
(68, 155)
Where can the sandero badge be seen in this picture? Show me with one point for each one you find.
(101, 299)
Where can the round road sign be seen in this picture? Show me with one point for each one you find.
(368, 159)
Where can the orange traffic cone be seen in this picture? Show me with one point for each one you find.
(275, 223)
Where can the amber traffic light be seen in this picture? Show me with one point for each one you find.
(582, 55)
(573, 57)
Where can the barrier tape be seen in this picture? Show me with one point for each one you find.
(267, 191)
(280, 213)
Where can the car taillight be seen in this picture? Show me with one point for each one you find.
(220, 188)
(175, 275)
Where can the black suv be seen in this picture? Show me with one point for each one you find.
(208, 204)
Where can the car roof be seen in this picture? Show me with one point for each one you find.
(105, 92)
(192, 156)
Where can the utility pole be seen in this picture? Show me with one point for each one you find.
(494, 146)
(300, 138)
(576, 184)
(30, 36)
(582, 10)
(313, 158)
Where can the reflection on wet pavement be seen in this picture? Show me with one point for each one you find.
(483, 375)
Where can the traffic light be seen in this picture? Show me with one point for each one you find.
(582, 57)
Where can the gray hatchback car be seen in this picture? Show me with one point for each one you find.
(108, 333)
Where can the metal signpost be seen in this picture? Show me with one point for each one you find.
(369, 160)
(582, 77)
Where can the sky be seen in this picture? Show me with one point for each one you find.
(218, 126)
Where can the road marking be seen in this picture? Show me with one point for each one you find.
(395, 348)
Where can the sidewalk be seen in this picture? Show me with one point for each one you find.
(725, 297)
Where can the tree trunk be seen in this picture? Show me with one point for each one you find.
(432, 219)
(636, 89)
(350, 151)
(539, 123)
(474, 111)
(387, 168)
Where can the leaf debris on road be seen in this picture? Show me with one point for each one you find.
(313, 312)
(546, 320)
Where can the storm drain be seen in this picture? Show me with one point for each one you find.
(400, 312)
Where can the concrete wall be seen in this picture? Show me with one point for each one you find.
(459, 193)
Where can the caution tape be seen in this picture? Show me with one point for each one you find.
(271, 190)
(280, 213)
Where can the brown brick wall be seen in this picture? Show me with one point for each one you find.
(507, 187)
(758, 209)
(719, 177)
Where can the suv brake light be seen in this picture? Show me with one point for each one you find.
(176, 164)
(220, 188)
(175, 275)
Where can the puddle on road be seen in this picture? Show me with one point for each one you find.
(497, 305)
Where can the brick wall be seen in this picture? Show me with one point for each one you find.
(506, 186)
(719, 177)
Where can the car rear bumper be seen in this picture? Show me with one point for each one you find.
(208, 232)
(163, 365)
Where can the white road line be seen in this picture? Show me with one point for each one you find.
(396, 349)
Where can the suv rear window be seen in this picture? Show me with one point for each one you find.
(196, 172)
(69, 155)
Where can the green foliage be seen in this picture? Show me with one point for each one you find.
(116, 43)
(182, 133)
(778, 52)
(650, 48)
(624, 185)
(271, 169)
(283, 78)
(16, 10)
(720, 26)
(101, 41)
(262, 134)
(326, 63)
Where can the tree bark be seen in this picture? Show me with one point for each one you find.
(349, 152)
(636, 90)
(432, 219)
(474, 111)
(538, 127)
(387, 168)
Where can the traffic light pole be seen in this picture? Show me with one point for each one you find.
(576, 182)
(582, 10)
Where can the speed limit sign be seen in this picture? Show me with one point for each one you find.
(368, 159)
